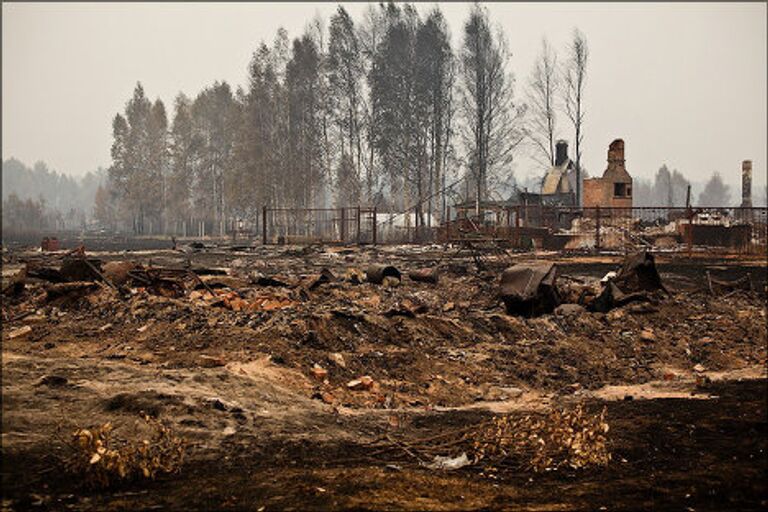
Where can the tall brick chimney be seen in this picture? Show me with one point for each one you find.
(746, 183)
(616, 154)
(561, 153)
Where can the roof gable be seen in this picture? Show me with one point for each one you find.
(556, 179)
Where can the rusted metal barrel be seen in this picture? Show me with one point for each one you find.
(425, 275)
(376, 273)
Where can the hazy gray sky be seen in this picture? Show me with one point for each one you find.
(683, 84)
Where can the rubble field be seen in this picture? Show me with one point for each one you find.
(322, 377)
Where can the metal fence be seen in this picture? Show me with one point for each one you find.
(326, 225)
(730, 230)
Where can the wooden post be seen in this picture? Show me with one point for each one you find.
(374, 225)
(264, 225)
(597, 228)
(343, 230)
(689, 238)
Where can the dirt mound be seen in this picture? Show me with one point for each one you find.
(142, 402)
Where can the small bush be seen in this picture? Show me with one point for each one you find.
(101, 460)
(559, 439)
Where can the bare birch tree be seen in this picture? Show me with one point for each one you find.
(371, 34)
(345, 76)
(574, 78)
(542, 94)
(492, 128)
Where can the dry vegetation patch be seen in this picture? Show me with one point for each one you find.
(99, 459)
(573, 438)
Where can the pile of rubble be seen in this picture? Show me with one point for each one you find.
(531, 290)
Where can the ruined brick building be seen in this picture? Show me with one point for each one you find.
(614, 188)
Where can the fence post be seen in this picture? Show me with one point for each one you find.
(343, 230)
(597, 228)
(264, 225)
(447, 224)
(358, 225)
(374, 225)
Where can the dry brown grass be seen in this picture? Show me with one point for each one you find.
(562, 438)
(100, 459)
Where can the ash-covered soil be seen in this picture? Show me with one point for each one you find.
(261, 381)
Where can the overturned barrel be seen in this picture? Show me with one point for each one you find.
(424, 275)
(376, 273)
(529, 289)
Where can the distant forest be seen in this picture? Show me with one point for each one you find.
(37, 198)
(380, 111)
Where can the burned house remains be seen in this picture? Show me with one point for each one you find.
(614, 188)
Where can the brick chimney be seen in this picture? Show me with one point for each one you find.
(746, 183)
(616, 154)
(561, 153)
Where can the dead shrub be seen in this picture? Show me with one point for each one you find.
(101, 460)
(562, 438)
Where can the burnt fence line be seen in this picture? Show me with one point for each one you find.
(718, 230)
(343, 225)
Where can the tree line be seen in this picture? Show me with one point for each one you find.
(670, 189)
(380, 111)
(38, 198)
